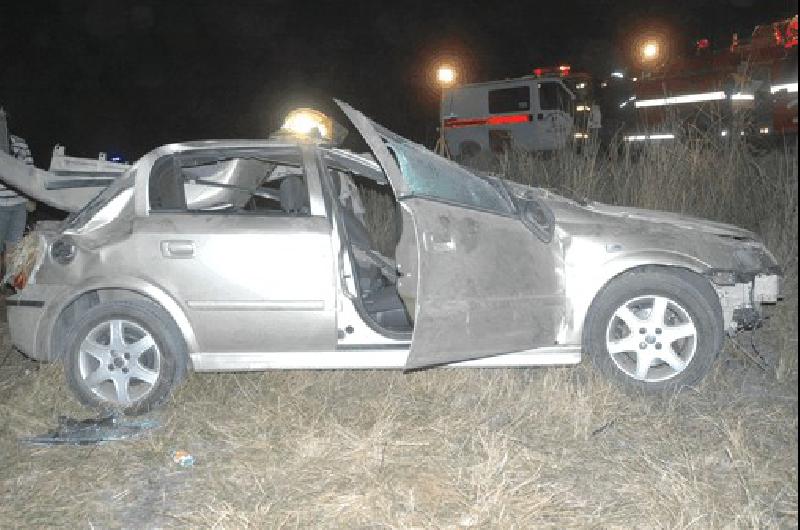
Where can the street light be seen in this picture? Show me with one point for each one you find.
(446, 76)
(650, 51)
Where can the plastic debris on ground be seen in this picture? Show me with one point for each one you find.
(183, 458)
(71, 431)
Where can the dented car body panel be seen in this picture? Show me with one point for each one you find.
(258, 255)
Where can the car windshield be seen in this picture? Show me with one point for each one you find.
(432, 176)
(82, 216)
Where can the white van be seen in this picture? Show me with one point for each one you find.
(531, 113)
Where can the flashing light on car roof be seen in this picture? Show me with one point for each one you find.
(618, 75)
(313, 125)
(307, 122)
(583, 108)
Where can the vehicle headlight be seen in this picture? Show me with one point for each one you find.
(62, 250)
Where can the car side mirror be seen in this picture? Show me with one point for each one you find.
(538, 218)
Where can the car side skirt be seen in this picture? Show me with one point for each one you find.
(370, 358)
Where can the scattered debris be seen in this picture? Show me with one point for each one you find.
(183, 458)
(753, 354)
(91, 431)
(603, 427)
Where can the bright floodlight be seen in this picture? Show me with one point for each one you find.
(446, 75)
(650, 50)
(308, 122)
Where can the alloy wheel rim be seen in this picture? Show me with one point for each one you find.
(119, 362)
(651, 338)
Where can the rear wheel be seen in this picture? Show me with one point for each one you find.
(655, 330)
(124, 356)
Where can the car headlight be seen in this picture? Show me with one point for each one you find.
(62, 250)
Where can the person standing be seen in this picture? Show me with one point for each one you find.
(13, 209)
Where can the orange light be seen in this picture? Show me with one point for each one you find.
(446, 75)
(650, 50)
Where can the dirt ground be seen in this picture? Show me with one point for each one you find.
(446, 448)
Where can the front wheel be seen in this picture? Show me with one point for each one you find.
(124, 355)
(655, 329)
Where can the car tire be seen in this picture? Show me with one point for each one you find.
(125, 356)
(655, 329)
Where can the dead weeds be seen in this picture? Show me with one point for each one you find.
(446, 448)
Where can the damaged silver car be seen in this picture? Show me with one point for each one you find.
(253, 255)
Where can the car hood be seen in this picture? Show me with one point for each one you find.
(669, 218)
(569, 212)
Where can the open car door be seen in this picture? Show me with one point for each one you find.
(486, 284)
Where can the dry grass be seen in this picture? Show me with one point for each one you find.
(524, 448)
(445, 449)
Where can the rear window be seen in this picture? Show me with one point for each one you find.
(117, 188)
(509, 100)
(229, 182)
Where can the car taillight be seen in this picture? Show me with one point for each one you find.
(24, 259)
(20, 281)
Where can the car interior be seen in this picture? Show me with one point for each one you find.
(257, 184)
(245, 184)
(375, 273)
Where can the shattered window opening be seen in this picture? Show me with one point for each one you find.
(428, 175)
(218, 182)
(81, 217)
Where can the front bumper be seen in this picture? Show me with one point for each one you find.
(741, 302)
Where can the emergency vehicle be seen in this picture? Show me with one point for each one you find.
(535, 113)
(748, 88)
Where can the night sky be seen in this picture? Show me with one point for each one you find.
(124, 77)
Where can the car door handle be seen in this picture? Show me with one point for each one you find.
(440, 242)
(177, 249)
